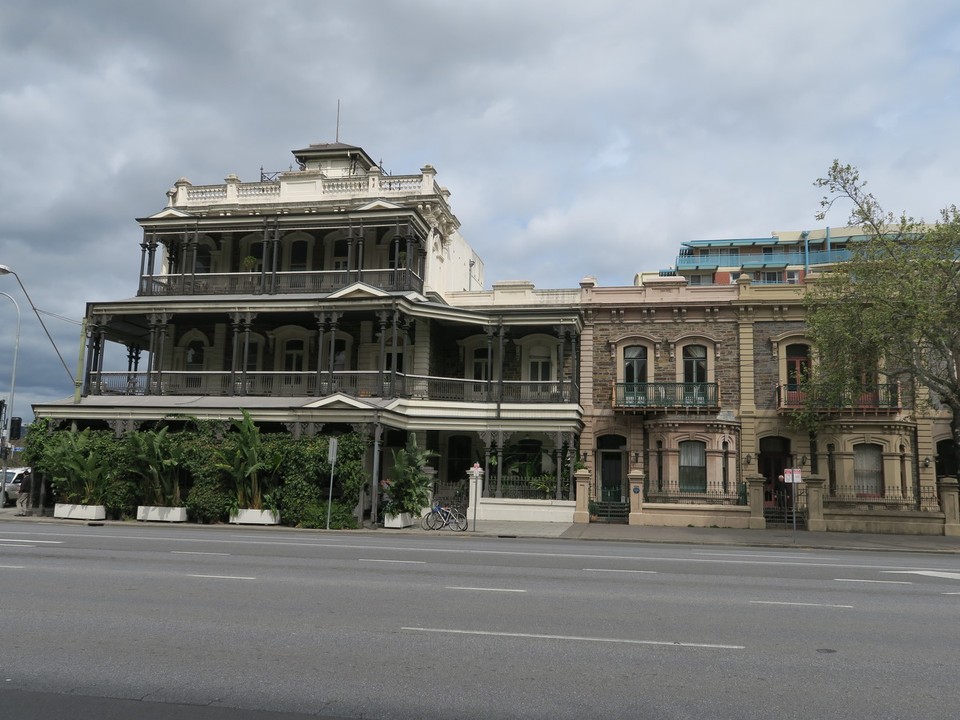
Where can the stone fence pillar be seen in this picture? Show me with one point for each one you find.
(582, 512)
(815, 521)
(755, 501)
(636, 478)
(950, 505)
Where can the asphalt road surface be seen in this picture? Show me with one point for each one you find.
(169, 622)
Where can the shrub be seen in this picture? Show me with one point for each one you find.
(207, 501)
(120, 497)
(295, 499)
(341, 516)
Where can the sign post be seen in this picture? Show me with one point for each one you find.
(475, 473)
(332, 459)
(792, 476)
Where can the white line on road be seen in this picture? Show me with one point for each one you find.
(11, 567)
(408, 562)
(643, 572)
(759, 555)
(535, 636)
(928, 573)
(42, 542)
(951, 593)
(189, 552)
(454, 587)
(772, 602)
(880, 582)
(223, 577)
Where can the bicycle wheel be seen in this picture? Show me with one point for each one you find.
(431, 521)
(461, 521)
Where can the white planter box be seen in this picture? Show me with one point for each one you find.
(79, 512)
(158, 513)
(255, 517)
(398, 521)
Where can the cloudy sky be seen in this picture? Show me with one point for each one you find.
(576, 137)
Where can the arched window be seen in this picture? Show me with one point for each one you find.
(481, 364)
(868, 470)
(695, 364)
(293, 355)
(202, 264)
(298, 256)
(693, 466)
(798, 365)
(539, 365)
(193, 358)
(635, 364)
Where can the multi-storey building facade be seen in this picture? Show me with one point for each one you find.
(318, 299)
(337, 297)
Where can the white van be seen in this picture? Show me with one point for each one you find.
(11, 485)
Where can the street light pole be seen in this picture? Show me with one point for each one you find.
(5, 270)
(13, 385)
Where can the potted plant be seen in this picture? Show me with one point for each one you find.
(407, 492)
(241, 457)
(81, 475)
(157, 461)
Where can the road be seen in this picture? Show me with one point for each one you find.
(208, 622)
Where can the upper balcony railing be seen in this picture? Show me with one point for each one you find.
(304, 186)
(665, 396)
(246, 283)
(368, 383)
(878, 399)
(753, 259)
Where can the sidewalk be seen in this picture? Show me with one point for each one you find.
(776, 538)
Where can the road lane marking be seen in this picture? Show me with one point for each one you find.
(407, 562)
(759, 555)
(879, 582)
(644, 572)
(189, 552)
(11, 567)
(42, 542)
(928, 573)
(537, 636)
(512, 590)
(223, 577)
(773, 602)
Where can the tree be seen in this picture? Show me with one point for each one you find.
(894, 307)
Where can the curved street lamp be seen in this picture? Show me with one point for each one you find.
(5, 270)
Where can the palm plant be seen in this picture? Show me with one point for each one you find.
(408, 490)
(80, 472)
(242, 459)
(157, 461)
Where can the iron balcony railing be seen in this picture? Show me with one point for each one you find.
(665, 395)
(246, 283)
(368, 383)
(878, 399)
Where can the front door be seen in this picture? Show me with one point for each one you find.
(774, 457)
(611, 476)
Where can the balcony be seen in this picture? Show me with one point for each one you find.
(877, 400)
(370, 383)
(279, 283)
(666, 396)
(758, 261)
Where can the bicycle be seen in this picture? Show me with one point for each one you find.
(441, 516)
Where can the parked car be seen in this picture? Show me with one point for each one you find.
(11, 485)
